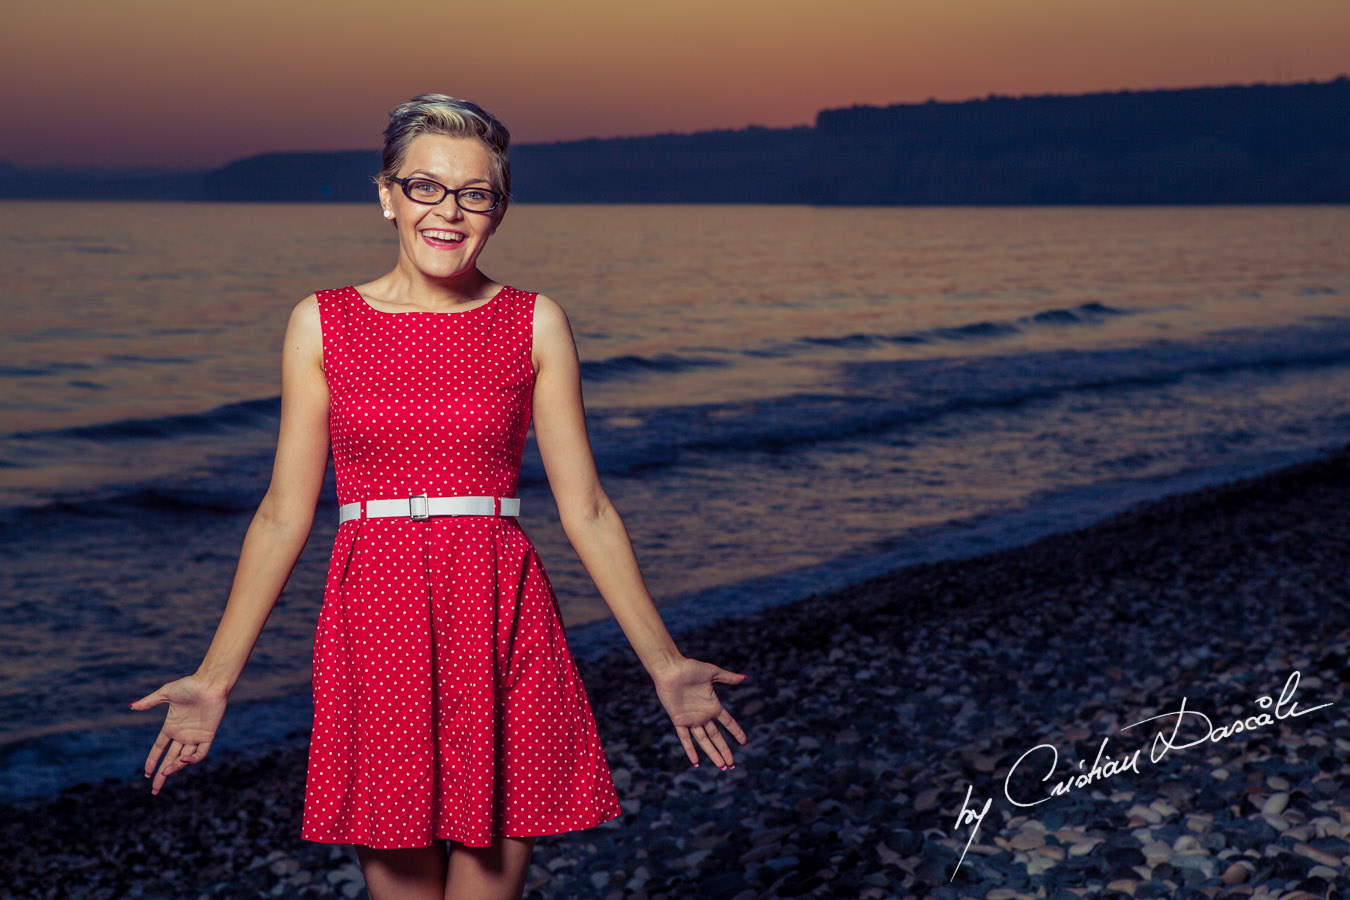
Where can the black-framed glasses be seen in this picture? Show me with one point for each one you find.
(470, 199)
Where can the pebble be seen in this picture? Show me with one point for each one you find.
(1316, 855)
(1186, 843)
(1275, 804)
(1027, 839)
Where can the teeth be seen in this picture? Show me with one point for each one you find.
(451, 236)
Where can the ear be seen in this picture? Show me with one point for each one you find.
(386, 197)
(501, 213)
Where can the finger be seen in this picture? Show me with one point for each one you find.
(188, 755)
(167, 767)
(701, 736)
(161, 742)
(688, 744)
(726, 677)
(729, 724)
(154, 698)
(721, 743)
(171, 756)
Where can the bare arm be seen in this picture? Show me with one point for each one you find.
(273, 543)
(589, 519)
(597, 532)
(285, 516)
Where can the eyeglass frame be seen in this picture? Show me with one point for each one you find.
(497, 196)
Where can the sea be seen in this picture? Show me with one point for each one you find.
(780, 399)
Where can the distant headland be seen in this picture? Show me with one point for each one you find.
(1259, 143)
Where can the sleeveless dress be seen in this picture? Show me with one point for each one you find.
(447, 704)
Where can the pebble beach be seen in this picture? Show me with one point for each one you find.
(876, 714)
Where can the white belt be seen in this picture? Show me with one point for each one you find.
(420, 506)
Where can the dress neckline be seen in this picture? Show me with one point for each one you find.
(427, 312)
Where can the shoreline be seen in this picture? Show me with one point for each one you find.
(872, 709)
(42, 766)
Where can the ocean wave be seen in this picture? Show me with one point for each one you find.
(229, 416)
(618, 368)
(1082, 314)
(881, 396)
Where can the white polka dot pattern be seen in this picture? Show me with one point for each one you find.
(447, 704)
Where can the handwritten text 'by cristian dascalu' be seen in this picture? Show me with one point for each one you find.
(1104, 766)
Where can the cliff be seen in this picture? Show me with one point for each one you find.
(1253, 144)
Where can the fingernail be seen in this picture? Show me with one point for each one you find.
(131, 705)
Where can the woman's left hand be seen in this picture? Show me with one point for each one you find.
(685, 689)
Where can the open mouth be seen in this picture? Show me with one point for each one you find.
(445, 240)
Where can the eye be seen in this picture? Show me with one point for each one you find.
(425, 187)
(472, 194)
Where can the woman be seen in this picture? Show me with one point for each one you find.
(447, 703)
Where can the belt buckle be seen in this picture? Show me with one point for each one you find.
(412, 507)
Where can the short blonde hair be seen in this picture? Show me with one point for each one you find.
(442, 114)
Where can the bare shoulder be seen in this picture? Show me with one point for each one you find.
(552, 332)
(548, 313)
(304, 332)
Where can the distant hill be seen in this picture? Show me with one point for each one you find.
(1234, 144)
(342, 176)
(18, 183)
(749, 165)
(1260, 143)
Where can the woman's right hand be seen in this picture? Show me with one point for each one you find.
(195, 710)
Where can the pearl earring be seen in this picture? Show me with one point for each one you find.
(388, 214)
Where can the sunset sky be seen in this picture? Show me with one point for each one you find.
(181, 83)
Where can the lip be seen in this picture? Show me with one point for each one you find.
(442, 245)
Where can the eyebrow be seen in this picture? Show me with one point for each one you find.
(438, 177)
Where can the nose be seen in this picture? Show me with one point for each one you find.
(448, 208)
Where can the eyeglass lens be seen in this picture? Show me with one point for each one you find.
(473, 199)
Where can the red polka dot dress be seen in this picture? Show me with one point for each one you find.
(447, 704)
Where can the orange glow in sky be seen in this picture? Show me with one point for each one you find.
(150, 83)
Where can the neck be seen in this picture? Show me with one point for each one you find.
(406, 283)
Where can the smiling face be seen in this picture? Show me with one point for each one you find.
(443, 241)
